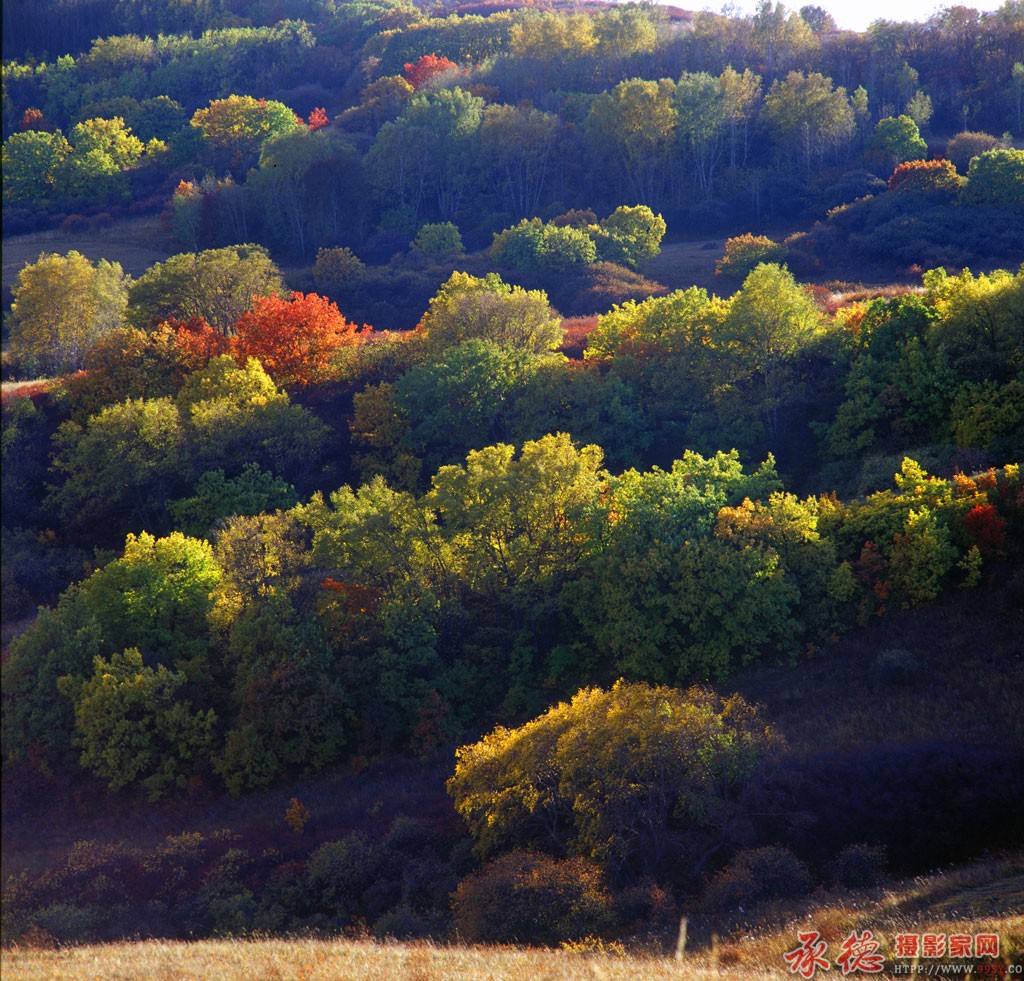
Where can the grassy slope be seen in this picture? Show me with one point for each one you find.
(136, 243)
(986, 897)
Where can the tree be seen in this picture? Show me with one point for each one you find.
(1017, 75)
(780, 37)
(428, 67)
(996, 177)
(533, 244)
(703, 117)
(460, 400)
(37, 720)
(663, 599)
(428, 151)
(517, 144)
(633, 127)
(338, 269)
(643, 780)
(217, 496)
(310, 188)
(770, 323)
(118, 469)
(63, 305)
(920, 109)
(965, 146)
(240, 125)
(630, 235)
(293, 709)
(156, 597)
(808, 117)
(898, 139)
(217, 285)
(745, 252)
(934, 177)
(674, 325)
(468, 307)
(235, 415)
(519, 519)
(134, 726)
(101, 150)
(121, 466)
(438, 239)
(33, 165)
(294, 339)
(818, 19)
(742, 96)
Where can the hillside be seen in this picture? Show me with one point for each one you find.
(986, 897)
(484, 482)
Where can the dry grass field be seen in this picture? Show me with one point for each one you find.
(682, 264)
(987, 897)
(136, 243)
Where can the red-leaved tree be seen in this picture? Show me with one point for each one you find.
(426, 68)
(937, 177)
(197, 342)
(294, 339)
(987, 529)
(317, 119)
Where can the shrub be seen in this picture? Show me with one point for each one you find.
(858, 866)
(965, 146)
(933, 177)
(338, 269)
(898, 137)
(744, 252)
(562, 248)
(438, 239)
(772, 872)
(637, 777)
(528, 897)
(996, 178)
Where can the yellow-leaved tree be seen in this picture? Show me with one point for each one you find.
(643, 780)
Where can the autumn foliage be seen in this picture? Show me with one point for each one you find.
(294, 338)
(987, 529)
(198, 343)
(426, 68)
(318, 119)
(925, 176)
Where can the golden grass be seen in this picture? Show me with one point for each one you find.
(986, 897)
(136, 243)
(339, 961)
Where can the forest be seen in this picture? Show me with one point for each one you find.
(561, 453)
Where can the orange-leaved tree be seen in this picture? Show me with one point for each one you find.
(318, 119)
(294, 338)
(426, 68)
(197, 342)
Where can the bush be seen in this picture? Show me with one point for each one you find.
(858, 866)
(339, 873)
(996, 178)
(744, 252)
(933, 177)
(965, 146)
(438, 239)
(772, 872)
(338, 269)
(531, 898)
